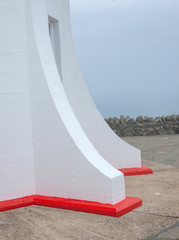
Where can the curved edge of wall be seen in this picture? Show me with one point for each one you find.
(85, 175)
(116, 151)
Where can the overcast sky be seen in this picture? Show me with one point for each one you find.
(128, 51)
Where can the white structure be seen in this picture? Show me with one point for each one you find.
(48, 145)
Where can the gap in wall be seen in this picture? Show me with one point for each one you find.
(54, 33)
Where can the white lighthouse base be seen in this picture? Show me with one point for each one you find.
(48, 156)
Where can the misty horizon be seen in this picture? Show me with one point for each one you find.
(128, 52)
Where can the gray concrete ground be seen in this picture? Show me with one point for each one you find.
(156, 219)
(169, 233)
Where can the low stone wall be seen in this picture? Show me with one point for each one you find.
(143, 126)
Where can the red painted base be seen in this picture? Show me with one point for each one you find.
(116, 210)
(136, 171)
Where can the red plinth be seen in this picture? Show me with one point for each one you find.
(136, 171)
(116, 210)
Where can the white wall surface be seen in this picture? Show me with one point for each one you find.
(74, 162)
(16, 153)
(44, 148)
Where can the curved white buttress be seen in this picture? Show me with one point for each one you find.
(116, 151)
(65, 161)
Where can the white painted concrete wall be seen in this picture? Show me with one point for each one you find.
(66, 163)
(44, 150)
(16, 153)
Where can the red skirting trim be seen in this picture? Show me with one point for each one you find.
(16, 203)
(115, 210)
(136, 171)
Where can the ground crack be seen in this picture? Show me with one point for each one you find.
(157, 214)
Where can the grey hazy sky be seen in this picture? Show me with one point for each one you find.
(128, 51)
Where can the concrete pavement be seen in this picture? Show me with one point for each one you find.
(160, 210)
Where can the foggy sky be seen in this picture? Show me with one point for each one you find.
(128, 51)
